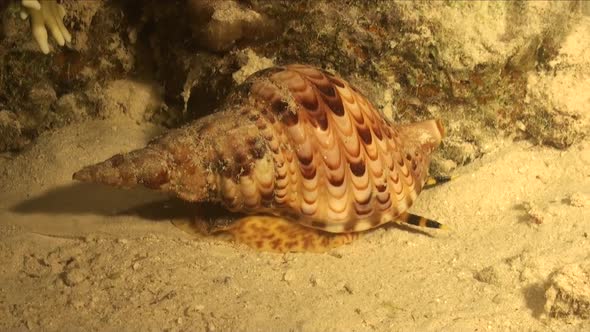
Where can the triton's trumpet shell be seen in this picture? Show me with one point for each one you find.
(292, 141)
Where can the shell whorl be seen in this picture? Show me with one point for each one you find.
(292, 141)
(333, 162)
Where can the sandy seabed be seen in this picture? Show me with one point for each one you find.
(87, 257)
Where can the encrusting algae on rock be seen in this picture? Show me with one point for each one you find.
(299, 150)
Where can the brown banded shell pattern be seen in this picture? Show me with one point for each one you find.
(333, 161)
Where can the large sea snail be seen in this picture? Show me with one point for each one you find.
(294, 142)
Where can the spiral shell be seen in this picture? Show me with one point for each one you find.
(292, 141)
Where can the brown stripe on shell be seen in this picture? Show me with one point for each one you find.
(327, 89)
(308, 172)
(318, 224)
(363, 210)
(377, 132)
(335, 104)
(329, 95)
(279, 107)
(374, 222)
(337, 82)
(333, 163)
(322, 120)
(388, 132)
(309, 201)
(350, 226)
(290, 80)
(289, 119)
(365, 134)
(336, 181)
(308, 99)
(305, 160)
(268, 196)
(409, 200)
(367, 200)
(383, 197)
(358, 169)
(308, 209)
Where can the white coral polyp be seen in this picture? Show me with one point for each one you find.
(46, 14)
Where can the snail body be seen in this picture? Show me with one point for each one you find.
(292, 141)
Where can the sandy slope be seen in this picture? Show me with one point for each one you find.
(85, 257)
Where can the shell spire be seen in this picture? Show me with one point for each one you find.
(146, 167)
(187, 162)
(155, 167)
(291, 141)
